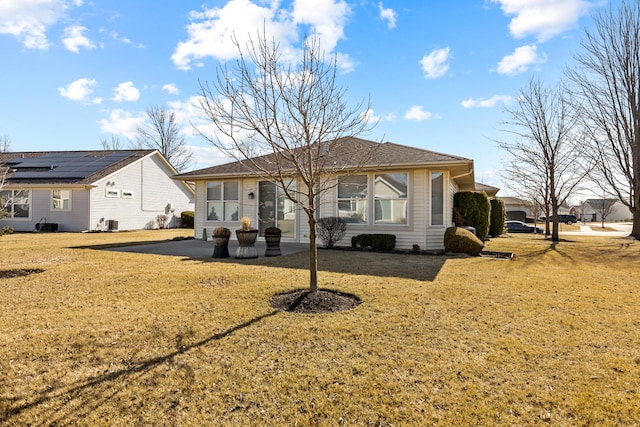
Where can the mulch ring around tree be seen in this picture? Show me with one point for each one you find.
(6, 274)
(321, 301)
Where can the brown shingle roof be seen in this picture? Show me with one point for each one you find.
(347, 152)
(105, 162)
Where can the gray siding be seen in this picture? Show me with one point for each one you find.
(74, 220)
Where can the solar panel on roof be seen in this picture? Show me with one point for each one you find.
(65, 165)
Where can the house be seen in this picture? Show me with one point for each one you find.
(612, 209)
(490, 190)
(518, 209)
(91, 190)
(400, 190)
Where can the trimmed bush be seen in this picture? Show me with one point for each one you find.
(498, 217)
(6, 230)
(461, 241)
(475, 209)
(331, 229)
(186, 219)
(379, 242)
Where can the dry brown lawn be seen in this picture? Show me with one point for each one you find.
(110, 338)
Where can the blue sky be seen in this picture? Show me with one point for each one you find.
(439, 73)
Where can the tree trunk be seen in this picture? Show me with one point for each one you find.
(313, 255)
(635, 230)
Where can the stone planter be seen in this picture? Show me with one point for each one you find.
(221, 247)
(246, 244)
(273, 245)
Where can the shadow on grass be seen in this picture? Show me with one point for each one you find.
(403, 266)
(85, 395)
(296, 256)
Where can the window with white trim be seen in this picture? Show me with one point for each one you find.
(437, 198)
(390, 198)
(16, 203)
(223, 200)
(353, 192)
(60, 200)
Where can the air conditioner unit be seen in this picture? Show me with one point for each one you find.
(112, 225)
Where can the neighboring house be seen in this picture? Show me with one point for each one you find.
(91, 190)
(613, 210)
(518, 209)
(401, 190)
(488, 189)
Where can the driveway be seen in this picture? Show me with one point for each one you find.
(194, 248)
(623, 229)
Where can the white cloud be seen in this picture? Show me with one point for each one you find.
(370, 117)
(126, 92)
(388, 15)
(126, 40)
(122, 123)
(520, 60)
(435, 64)
(485, 103)
(543, 18)
(171, 88)
(418, 114)
(210, 31)
(78, 90)
(74, 39)
(28, 20)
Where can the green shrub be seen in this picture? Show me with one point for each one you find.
(498, 217)
(475, 208)
(186, 219)
(6, 230)
(379, 242)
(459, 240)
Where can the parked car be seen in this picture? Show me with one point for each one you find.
(567, 219)
(521, 227)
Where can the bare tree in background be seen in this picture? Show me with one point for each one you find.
(607, 85)
(547, 148)
(162, 134)
(113, 144)
(293, 114)
(5, 144)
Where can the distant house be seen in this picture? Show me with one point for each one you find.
(490, 190)
(518, 209)
(91, 190)
(401, 190)
(612, 209)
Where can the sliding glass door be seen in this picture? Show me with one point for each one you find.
(275, 209)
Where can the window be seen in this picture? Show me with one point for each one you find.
(222, 200)
(437, 198)
(61, 200)
(110, 192)
(16, 203)
(127, 194)
(352, 198)
(390, 195)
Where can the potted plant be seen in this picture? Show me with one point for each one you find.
(272, 238)
(221, 237)
(246, 240)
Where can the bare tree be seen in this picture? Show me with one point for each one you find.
(547, 148)
(607, 85)
(603, 206)
(162, 134)
(5, 144)
(113, 144)
(296, 114)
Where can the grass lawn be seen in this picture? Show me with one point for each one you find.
(110, 338)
